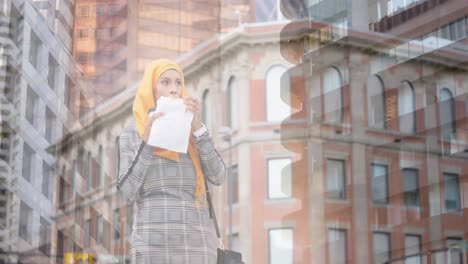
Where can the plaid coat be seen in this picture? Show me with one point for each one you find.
(168, 227)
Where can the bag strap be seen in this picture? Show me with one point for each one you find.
(211, 209)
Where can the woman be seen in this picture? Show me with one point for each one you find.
(172, 223)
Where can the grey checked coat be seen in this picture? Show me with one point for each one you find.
(168, 226)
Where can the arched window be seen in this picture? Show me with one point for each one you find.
(333, 95)
(277, 81)
(406, 108)
(376, 102)
(117, 156)
(231, 104)
(447, 114)
(206, 111)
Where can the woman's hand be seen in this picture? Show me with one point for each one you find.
(194, 106)
(149, 124)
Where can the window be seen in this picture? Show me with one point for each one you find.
(406, 108)
(447, 114)
(413, 249)
(279, 178)
(25, 222)
(47, 180)
(381, 247)
(268, 10)
(99, 10)
(277, 83)
(281, 243)
(455, 252)
(99, 167)
(89, 168)
(117, 224)
(113, 10)
(376, 102)
(35, 50)
(45, 237)
(235, 184)
(71, 236)
(60, 243)
(452, 192)
(50, 124)
(337, 246)
(235, 242)
(84, 11)
(62, 187)
(117, 156)
(206, 110)
(28, 162)
(336, 179)
(82, 57)
(232, 103)
(234, 180)
(410, 187)
(80, 161)
(379, 183)
(72, 187)
(52, 73)
(87, 233)
(333, 95)
(101, 33)
(79, 210)
(83, 33)
(99, 229)
(31, 105)
(67, 94)
(85, 57)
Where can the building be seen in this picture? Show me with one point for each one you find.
(348, 138)
(42, 99)
(114, 40)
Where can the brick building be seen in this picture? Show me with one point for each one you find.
(351, 149)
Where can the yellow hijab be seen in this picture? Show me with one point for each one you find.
(144, 101)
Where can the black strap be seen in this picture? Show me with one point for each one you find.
(211, 209)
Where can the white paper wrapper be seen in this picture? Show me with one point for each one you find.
(172, 130)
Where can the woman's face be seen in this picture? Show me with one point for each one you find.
(169, 85)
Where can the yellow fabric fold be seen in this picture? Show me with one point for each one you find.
(144, 101)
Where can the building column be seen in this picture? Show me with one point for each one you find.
(435, 203)
(318, 236)
(358, 75)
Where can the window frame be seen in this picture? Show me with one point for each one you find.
(401, 90)
(274, 99)
(370, 109)
(83, 11)
(339, 230)
(343, 178)
(459, 201)
(453, 125)
(269, 197)
(339, 88)
(270, 241)
(389, 241)
(420, 253)
(418, 188)
(387, 187)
